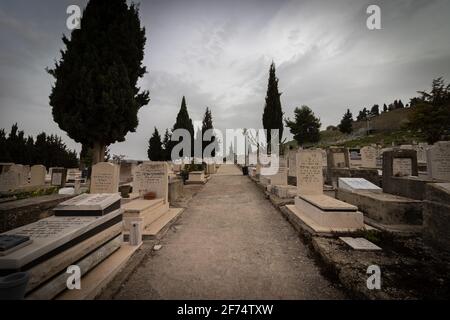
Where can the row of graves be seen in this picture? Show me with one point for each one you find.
(367, 211)
(95, 233)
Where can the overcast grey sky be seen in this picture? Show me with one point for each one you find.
(218, 53)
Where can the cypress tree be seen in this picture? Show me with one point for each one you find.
(346, 125)
(184, 122)
(155, 151)
(207, 124)
(95, 97)
(166, 145)
(273, 114)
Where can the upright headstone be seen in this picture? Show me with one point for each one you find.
(309, 172)
(421, 149)
(105, 178)
(281, 177)
(398, 163)
(338, 157)
(9, 180)
(58, 177)
(438, 157)
(152, 177)
(369, 157)
(21, 171)
(292, 163)
(38, 173)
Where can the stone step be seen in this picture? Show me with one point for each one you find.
(159, 227)
(98, 278)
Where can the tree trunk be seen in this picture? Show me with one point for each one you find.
(98, 153)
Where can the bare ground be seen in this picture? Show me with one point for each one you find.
(230, 243)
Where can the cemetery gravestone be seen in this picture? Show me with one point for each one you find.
(152, 177)
(439, 161)
(358, 184)
(309, 173)
(355, 158)
(369, 157)
(38, 173)
(105, 178)
(9, 180)
(58, 177)
(338, 157)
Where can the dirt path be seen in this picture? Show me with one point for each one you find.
(230, 243)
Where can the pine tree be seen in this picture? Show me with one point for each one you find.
(305, 127)
(273, 114)
(400, 104)
(155, 151)
(184, 122)
(95, 97)
(346, 125)
(385, 108)
(375, 111)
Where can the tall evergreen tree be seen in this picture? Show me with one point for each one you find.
(400, 104)
(346, 125)
(155, 150)
(95, 97)
(184, 122)
(207, 124)
(375, 111)
(273, 114)
(305, 127)
(385, 108)
(166, 145)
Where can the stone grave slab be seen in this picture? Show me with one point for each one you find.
(358, 184)
(402, 167)
(52, 236)
(88, 205)
(438, 161)
(58, 177)
(326, 203)
(360, 244)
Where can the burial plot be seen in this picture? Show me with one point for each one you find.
(38, 173)
(196, 177)
(438, 157)
(105, 178)
(320, 213)
(338, 157)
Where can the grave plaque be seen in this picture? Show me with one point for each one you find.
(152, 177)
(88, 205)
(38, 173)
(402, 167)
(309, 173)
(438, 157)
(360, 244)
(58, 177)
(105, 178)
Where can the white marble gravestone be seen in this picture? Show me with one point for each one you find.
(105, 178)
(358, 184)
(309, 172)
(152, 177)
(38, 173)
(361, 244)
(438, 161)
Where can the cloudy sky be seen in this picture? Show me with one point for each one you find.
(218, 53)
